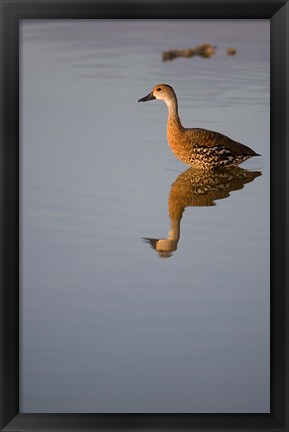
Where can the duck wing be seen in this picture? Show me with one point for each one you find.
(207, 138)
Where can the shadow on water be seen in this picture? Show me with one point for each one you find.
(195, 188)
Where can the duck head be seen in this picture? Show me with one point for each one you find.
(160, 91)
(163, 247)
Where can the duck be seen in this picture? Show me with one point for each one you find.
(197, 147)
(197, 188)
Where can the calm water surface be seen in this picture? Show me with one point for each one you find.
(114, 316)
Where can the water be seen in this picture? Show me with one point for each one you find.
(113, 319)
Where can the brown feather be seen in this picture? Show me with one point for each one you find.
(209, 138)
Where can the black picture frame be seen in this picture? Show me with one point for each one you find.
(11, 13)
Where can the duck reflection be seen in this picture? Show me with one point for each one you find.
(195, 187)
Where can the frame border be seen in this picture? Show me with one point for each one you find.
(11, 12)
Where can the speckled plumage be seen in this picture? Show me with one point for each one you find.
(198, 148)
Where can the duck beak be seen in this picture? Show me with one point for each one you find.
(150, 96)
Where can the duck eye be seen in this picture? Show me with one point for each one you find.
(158, 89)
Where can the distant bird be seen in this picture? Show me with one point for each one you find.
(198, 148)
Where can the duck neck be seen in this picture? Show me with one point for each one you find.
(174, 231)
(174, 122)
